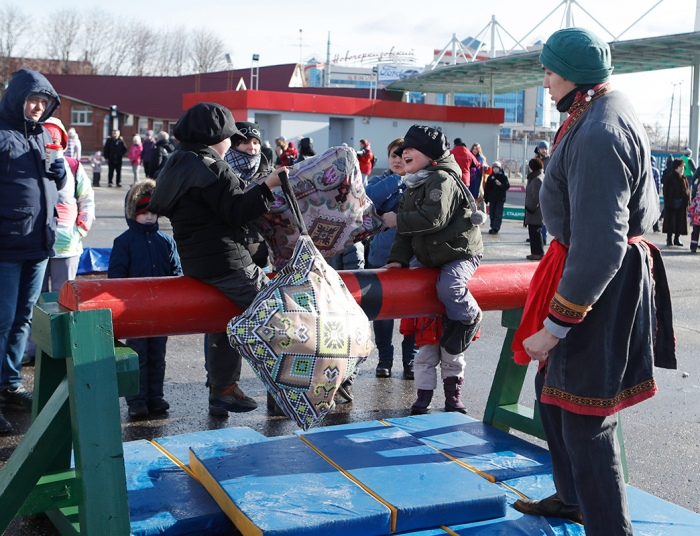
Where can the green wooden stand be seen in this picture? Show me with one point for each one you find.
(503, 408)
(79, 377)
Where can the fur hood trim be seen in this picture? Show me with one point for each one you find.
(136, 192)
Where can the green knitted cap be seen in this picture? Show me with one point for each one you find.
(578, 55)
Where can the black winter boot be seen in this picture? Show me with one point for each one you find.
(422, 404)
(453, 394)
(457, 336)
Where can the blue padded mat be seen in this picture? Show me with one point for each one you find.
(216, 441)
(163, 499)
(281, 486)
(426, 488)
(488, 449)
(650, 515)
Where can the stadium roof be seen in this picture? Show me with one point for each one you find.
(519, 71)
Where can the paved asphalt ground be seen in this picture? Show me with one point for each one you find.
(662, 435)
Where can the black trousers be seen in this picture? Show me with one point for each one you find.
(536, 242)
(223, 362)
(111, 168)
(586, 466)
(151, 353)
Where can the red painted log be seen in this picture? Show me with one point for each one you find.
(163, 306)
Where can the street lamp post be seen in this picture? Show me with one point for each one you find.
(114, 115)
(255, 72)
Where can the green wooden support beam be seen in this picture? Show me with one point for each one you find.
(33, 455)
(97, 438)
(66, 520)
(127, 362)
(56, 490)
(502, 407)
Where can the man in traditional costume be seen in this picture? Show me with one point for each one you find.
(600, 292)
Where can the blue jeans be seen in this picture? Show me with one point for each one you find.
(383, 335)
(20, 286)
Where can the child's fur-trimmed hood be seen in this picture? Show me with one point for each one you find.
(136, 192)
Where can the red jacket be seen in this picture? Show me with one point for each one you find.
(365, 157)
(427, 330)
(466, 161)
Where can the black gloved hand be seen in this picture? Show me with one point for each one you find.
(57, 170)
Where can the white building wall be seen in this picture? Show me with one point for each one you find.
(379, 131)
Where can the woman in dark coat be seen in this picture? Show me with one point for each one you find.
(676, 201)
(533, 214)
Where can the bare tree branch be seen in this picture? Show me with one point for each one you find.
(173, 52)
(12, 27)
(143, 43)
(62, 34)
(207, 50)
(96, 38)
(118, 49)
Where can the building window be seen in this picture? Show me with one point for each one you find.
(157, 126)
(143, 125)
(81, 115)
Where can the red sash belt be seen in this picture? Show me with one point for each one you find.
(544, 284)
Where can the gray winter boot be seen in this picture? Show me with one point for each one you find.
(453, 394)
(422, 404)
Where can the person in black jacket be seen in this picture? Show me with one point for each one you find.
(495, 195)
(114, 151)
(209, 212)
(160, 154)
(306, 149)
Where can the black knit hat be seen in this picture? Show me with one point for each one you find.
(246, 130)
(429, 141)
(206, 123)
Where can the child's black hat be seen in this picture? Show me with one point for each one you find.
(429, 141)
(246, 130)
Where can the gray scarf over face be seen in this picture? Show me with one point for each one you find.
(414, 180)
(243, 164)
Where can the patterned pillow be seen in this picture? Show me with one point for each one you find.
(303, 335)
(333, 203)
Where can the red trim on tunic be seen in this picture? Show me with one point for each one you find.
(601, 407)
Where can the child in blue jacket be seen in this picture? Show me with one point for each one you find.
(144, 251)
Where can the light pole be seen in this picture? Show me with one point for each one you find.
(255, 72)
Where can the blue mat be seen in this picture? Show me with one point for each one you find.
(214, 443)
(94, 260)
(282, 487)
(426, 488)
(488, 449)
(163, 499)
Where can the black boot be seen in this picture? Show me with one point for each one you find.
(669, 242)
(677, 241)
(549, 507)
(422, 404)
(453, 394)
(383, 369)
(457, 336)
(5, 426)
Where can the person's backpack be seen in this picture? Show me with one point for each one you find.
(374, 160)
(164, 158)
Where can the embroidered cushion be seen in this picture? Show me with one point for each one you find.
(303, 335)
(333, 204)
